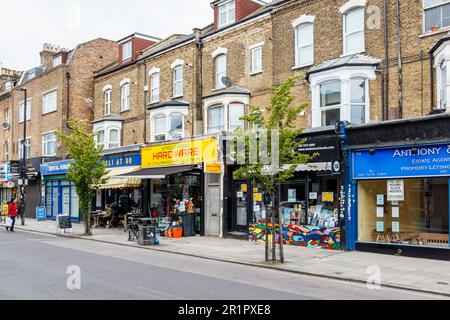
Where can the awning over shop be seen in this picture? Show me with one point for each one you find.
(157, 173)
(121, 183)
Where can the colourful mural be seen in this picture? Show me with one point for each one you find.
(305, 236)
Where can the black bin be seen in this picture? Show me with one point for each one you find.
(147, 236)
(188, 225)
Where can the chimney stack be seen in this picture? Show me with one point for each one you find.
(47, 54)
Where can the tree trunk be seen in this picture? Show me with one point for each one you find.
(280, 222)
(274, 228)
(87, 220)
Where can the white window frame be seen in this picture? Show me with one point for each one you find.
(21, 106)
(107, 102)
(57, 61)
(27, 148)
(229, 8)
(425, 8)
(241, 123)
(366, 102)
(117, 143)
(45, 101)
(253, 49)
(6, 150)
(167, 113)
(178, 82)
(346, 35)
(218, 75)
(155, 87)
(125, 92)
(299, 46)
(46, 142)
(127, 50)
(343, 74)
(7, 117)
(100, 144)
(221, 127)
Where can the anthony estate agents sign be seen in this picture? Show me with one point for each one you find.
(408, 162)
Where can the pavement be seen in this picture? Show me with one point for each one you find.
(415, 274)
(44, 267)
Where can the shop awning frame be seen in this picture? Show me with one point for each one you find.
(158, 172)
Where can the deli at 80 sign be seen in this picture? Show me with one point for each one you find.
(124, 161)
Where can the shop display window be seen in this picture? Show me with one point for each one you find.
(411, 211)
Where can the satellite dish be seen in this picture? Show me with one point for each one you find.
(226, 81)
(6, 125)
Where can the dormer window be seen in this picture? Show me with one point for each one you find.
(57, 61)
(127, 51)
(226, 14)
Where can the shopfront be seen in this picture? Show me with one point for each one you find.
(8, 189)
(175, 177)
(403, 195)
(59, 193)
(309, 202)
(123, 194)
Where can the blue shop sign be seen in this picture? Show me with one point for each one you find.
(404, 162)
(54, 168)
(133, 160)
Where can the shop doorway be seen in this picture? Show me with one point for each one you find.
(240, 222)
(213, 211)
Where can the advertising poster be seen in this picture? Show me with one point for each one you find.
(396, 190)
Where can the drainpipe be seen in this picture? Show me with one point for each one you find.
(386, 50)
(199, 93)
(68, 77)
(145, 103)
(400, 66)
(431, 83)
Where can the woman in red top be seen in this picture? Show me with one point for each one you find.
(12, 213)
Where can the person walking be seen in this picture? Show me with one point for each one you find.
(12, 213)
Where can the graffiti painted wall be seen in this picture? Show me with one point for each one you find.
(305, 236)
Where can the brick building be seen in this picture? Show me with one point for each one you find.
(60, 88)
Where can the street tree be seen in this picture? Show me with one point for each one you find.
(87, 170)
(269, 154)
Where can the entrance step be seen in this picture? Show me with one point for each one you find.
(238, 235)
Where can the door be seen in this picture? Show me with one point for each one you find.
(65, 210)
(240, 206)
(213, 211)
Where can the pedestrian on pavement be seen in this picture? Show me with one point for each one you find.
(12, 213)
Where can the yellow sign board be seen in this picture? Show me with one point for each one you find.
(328, 197)
(257, 197)
(213, 168)
(182, 153)
(244, 188)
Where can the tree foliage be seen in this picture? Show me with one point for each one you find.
(87, 170)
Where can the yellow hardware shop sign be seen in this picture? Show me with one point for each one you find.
(182, 153)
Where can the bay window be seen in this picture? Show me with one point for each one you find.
(216, 119)
(235, 113)
(220, 63)
(114, 138)
(354, 22)
(160, 128)
(100, 139)
(358, 100)
(330, 102)
(436, 14)
(168, 127)
(176, 126)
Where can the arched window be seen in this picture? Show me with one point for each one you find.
(154, 87)
(178, 81)
(176, 126)
(114, 138)
(107, 102)
(125, 97)
(354, 31)
(220, 63)
(216, 119)
(304, 44)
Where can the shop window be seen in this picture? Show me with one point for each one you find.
(114, 138)
(419, 216)
(330, 102)
(220, 63)
(436, 14)
(354, 31)
(216, 119)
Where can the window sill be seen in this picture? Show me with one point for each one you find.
(50, 112)
(353, 53)
(303, 66)
(124, 111)
(431, 33)
(256, 73)
(177, 97)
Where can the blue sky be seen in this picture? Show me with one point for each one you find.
(28, 24)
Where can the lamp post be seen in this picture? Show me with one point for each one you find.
(23, 173)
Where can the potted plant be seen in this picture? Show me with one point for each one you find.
(434, 28)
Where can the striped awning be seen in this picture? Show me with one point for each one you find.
(115, 182)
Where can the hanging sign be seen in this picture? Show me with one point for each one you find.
(396, 190)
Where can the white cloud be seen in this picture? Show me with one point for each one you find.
(28, 24)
